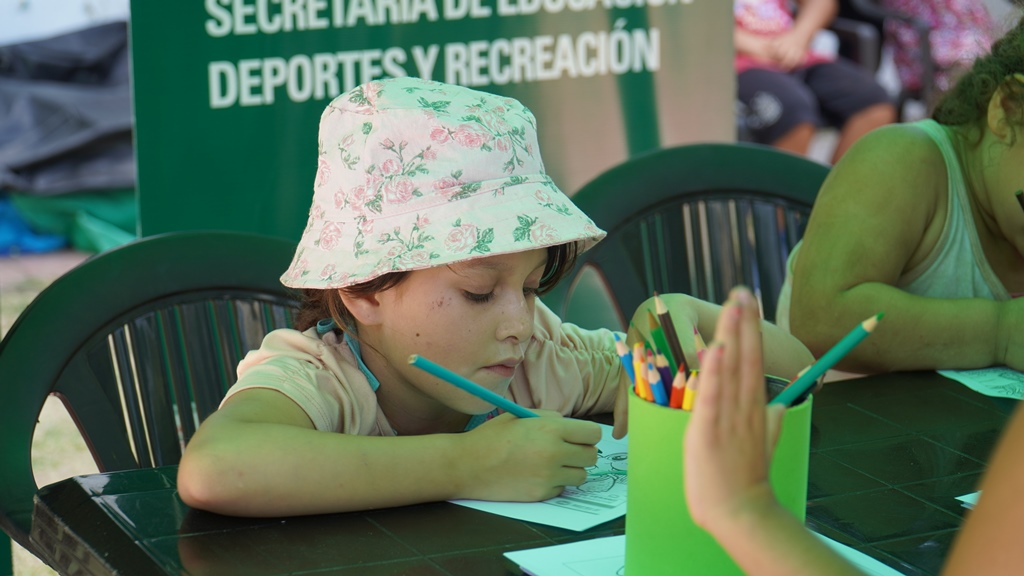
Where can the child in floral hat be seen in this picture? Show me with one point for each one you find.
(432, 230)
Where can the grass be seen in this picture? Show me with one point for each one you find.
(58, 450)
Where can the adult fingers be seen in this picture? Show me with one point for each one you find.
(750, 356)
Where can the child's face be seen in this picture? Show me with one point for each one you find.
(473, 318)
(1004, 180)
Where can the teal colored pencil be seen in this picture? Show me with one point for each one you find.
(828, 360)
(467, 385)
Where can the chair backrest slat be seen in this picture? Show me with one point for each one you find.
(141, 366)
(710, 216)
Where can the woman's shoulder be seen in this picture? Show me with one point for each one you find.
(907, 145)
(894, 159)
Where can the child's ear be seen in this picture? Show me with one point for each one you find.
(997, 115)
(365, 309)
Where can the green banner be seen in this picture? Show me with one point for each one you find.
(228, 93)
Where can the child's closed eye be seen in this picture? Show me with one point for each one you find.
(478, 298)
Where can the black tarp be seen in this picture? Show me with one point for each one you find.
(65, 113)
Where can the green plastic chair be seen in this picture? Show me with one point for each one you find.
(697, 219)
(140, 343)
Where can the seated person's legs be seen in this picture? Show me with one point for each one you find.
(850, 99)
(780, 109)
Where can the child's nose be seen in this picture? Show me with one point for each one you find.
(516, 320)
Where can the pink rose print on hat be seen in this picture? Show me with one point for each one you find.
(461, 237)
(466, 238)
(323, 171)
(328, 272)
(300, 269)
(439, 134)
(399, 190)
(390, 167)
(542, 233)
(469, 137)
(405, 246)
(329, 236)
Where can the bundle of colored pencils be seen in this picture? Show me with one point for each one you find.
(658, 371)
(657, 367)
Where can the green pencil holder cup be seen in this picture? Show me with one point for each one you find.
(661, 537)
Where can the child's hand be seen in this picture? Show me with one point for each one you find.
(526, 459)
(730, 438)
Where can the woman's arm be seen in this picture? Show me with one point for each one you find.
(784, 354)
(879, 213)
(259, 455)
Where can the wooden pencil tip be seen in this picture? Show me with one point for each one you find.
(652, 322)
(413, 358)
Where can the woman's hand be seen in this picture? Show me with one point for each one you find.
(731, 435)
(789, 49)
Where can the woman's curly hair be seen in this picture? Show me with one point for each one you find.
(967, 102)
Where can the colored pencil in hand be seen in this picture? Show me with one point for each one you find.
(469, 386)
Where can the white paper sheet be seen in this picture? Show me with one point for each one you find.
(600, 499)
(607, 557)
(998, 381)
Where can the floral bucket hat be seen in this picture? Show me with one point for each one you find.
(415, 174)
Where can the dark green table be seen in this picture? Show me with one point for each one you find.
(889, 455)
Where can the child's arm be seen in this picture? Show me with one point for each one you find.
(879, 213)
(784, 354)
(727, 452)
(259, 455)
(729, 495)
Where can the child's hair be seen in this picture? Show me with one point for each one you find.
(414, 174)
(967, 103)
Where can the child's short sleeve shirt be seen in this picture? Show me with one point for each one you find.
(566, 368)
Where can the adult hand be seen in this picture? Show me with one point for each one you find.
(760, 48)
(789, 49)
(731, 435)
